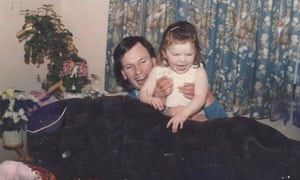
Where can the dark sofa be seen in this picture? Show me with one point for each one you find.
(121, 138)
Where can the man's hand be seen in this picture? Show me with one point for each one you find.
(187, 90)
(164, 87)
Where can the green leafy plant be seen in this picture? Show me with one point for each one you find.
(46, 39)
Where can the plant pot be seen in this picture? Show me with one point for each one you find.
(70, 95)
(12, 138)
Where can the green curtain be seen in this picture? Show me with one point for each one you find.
(250, 47)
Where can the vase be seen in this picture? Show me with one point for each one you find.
(12, 138)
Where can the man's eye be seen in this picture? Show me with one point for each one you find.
(175, 54)
(146, 60)
(128, 67)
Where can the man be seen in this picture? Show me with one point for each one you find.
(134, 59)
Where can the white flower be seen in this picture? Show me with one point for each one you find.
(15, 113)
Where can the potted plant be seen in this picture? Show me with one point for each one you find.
(14, 113)
(46, 39)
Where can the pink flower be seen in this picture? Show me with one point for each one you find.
(83, 69)
(67, 67)
(75, 75)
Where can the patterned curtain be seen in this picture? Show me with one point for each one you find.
(251, 48)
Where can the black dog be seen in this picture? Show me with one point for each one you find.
(121, 138)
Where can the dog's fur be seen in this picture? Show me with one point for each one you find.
(121, 138)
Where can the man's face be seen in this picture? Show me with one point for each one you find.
(137, 64)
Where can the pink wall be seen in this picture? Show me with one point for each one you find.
(86, 19)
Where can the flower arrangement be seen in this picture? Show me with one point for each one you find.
(46, 38)
(14, 106)
(74, 74)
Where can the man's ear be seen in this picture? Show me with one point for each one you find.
(124, 75)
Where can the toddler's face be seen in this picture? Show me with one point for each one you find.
(180, 56)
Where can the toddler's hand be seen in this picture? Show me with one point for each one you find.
(177, 121)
